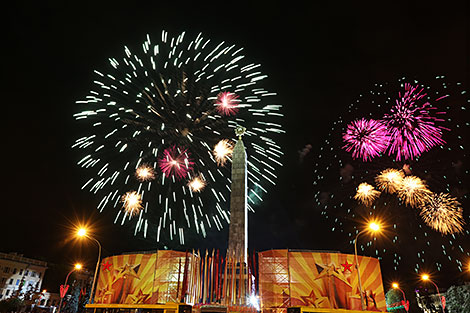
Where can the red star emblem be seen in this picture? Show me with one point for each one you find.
(347, 266)
(106, 266)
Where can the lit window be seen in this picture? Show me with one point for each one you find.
(17, 282)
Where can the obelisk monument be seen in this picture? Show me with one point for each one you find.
(238, 229)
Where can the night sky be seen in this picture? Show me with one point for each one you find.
(318, 59)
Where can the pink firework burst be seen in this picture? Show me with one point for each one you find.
(366, 138)
(175, 162)
(412, 128)
(227, 103)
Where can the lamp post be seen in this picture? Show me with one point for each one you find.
(64, 287)
(395, 286)
(372, 227)
(425, 277)
(82, 232)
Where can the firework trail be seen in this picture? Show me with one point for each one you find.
(151, 121)
(442, 162)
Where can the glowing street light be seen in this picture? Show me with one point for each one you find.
(65, 287)
(372, 227)
(82, 232)
(404, 302)
(425, 277)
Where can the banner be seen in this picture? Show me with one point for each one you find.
(319, 280)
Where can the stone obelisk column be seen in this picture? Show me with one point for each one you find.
(238, 229)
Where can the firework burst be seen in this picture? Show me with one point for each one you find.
(144, 173)
(443, 166)
(167, 106)
(443, 213)
(222, 151)
(365, 138)
(175, 162)
(413, 191)
(197, 184)
(132, 203)
(227, 103)
(389, 180)
(412, 128)
(366, 194)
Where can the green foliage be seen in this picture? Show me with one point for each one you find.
(458, 299)
(11, 305)
(72, 303)
(392, 297)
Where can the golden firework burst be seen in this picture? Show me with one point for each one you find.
(197, 184)
(443, 213)
(132, 202)
(413, 191)
(389, 180)
(366, 194)
(144, 173)
(222, 150)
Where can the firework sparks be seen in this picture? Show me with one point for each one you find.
(132, 202)
(366, 194)
(222, 150)
(412, 128)
(176, 92)
(175, 162)
(413, 191)
(144, 173)
(389, 180)
(443, 213)
(227, 103)
(197, 184)
(365, 138)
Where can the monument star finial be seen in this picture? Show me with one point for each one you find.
(240, 131)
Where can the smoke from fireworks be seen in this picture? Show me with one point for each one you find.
(366, 194)
(411, 126)
(443, 213)
(365, 138)
(389, 180)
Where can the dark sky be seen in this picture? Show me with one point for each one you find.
(318, 58)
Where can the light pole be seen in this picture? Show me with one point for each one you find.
(395, 286)
(77, 267)
(374, 227)
(82, 232)
(425, 277)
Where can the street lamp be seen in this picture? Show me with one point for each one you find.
(64, 287)
(425, 277)
(82, 232)
(374, 227)
(405, 304)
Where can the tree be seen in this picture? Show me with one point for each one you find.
(72, 304)
(393, 299)
(458, 299)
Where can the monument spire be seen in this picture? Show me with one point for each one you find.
(238, 229)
